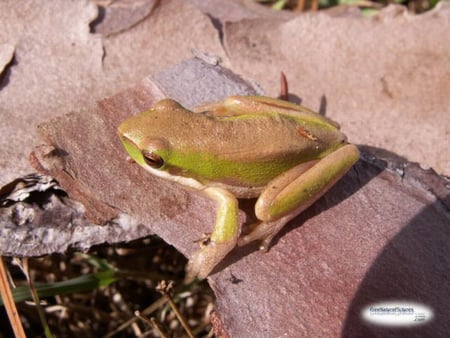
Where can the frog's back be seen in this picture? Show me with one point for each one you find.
(275, 135)
(249, 150)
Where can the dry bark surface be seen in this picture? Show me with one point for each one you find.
(381, 233)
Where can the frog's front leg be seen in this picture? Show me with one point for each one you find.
(223, 238)
(288, 194)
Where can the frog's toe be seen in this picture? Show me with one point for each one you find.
(204, 260)
(264, 232)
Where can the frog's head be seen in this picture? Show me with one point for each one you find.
(147, 135)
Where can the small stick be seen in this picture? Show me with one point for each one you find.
(164, 289)
(284, 90)
(8, 301)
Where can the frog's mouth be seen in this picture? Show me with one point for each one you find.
(132, 150)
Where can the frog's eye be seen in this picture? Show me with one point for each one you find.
(152, 159)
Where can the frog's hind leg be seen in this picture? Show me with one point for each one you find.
(290, 193)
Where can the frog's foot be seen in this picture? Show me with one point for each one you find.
(204, 260)
(264, 232)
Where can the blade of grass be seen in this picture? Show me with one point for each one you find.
(36, 300)
(78, 284)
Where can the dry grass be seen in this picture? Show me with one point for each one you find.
(132, 301)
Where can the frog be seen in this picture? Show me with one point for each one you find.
(283, 155)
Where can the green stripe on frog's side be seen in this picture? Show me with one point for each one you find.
(239, 172)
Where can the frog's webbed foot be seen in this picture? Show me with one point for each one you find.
(264, 232)
(204, 260)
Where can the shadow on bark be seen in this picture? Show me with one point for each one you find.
(414, 266)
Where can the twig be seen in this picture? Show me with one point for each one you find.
(10, 306)
(284, 89)
(152, 308)
(152, 323)
(164, 289)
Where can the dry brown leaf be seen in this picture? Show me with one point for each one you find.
(6, 55)
(118, 16)
(373, 237)
(92, 168)
(236, 10)
(385, 79)
(59, 66)
(376, 235)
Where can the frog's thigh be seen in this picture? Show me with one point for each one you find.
(223, 238)
(289, 194)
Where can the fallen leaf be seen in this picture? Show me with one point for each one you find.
(59, 66)
(6, 55)
(122, 201)
(380, 233)
(385, 79)
(373, 237)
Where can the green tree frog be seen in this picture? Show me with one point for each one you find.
(244, 147)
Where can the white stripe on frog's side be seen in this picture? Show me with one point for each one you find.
(186, 181)
(239, 192)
